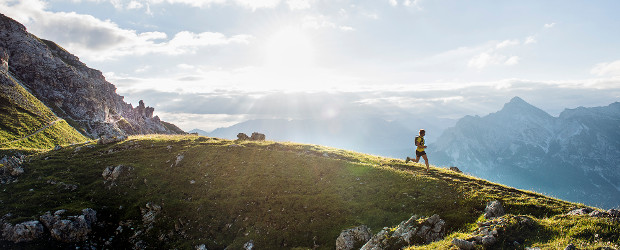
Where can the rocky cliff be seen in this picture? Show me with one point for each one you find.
(75, 92)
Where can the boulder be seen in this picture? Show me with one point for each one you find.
(463, 244)
(111, 139)
(257, 136)
(580, 211)
(22, 232)
(353, 238)
(411, 232)
(113, 173)
(493, 209)
(455, 169)
(70, 228)
(242, 137)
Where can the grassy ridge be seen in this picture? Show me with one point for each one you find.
(21, 115)
(280, 195)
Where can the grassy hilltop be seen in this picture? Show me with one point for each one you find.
(224, 193)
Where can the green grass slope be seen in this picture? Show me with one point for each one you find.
(25, 122)
(225, 193)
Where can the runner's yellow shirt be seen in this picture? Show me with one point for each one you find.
(420, 142)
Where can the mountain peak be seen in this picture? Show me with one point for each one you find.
(516, 105)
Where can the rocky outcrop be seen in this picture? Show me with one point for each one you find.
(611, 213)
(60, 227)
(22, 232)
(74, 91)
(410, 232)
(255, 137)
(11, 168)
(69, 228)
(112, 174)
(353, 238)
(494, 209)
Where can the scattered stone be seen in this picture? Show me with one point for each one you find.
(353, 238)
(179, 159)
(494, 209)
(580, 211)
(149, 214)
(11, 168)
(113, 173)
(248, 245)
(111, 139)
(455, 169)
(597, 214)
(614, 213)
(22, 232)
(570, 247)
(463, 244)
(410, 232)
(57, 147)
(201, 247)
(70, 228)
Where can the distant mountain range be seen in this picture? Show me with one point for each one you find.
(575, 156)
(372, 135)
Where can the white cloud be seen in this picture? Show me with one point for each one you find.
(607, 69)
(393, 2)
(549, 25)
(134, 5)
(96, 39)
(298, 4)
(530, 40)
(507, 43)
(513, 60)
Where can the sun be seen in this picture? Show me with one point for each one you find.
(289, 49)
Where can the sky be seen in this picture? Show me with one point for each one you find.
(213, 63)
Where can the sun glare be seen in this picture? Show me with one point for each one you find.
(290, 48)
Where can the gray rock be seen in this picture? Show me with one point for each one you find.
(201, 247)
(570, 247)
(580, 211)
(455, 169)
(488, 240)
(597, 214)
(113, 173)
(410, 232)
(149, 214)
(353, 238)
(248, 245)
(70, 228)
(463, 244)
(22, 232)
(242, 137)
(257, 136)
(494, 209)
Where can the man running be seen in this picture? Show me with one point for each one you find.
(419, 152)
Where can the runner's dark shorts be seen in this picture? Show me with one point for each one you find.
(419, 154)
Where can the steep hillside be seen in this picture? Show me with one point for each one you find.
(190, 191)
(575, 156)
(75, 92)
(25, 122)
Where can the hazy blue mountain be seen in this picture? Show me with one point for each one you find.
(575, 156)
(199, 132)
